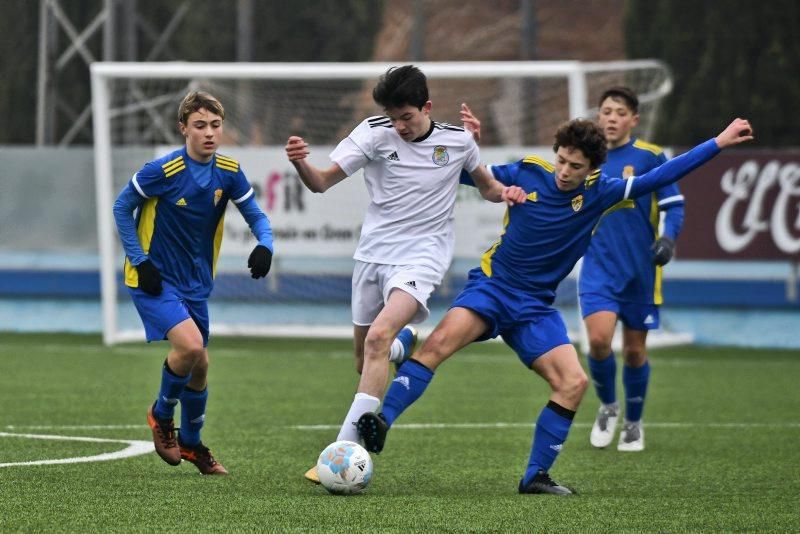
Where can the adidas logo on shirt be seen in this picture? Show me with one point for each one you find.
(181, 202)
(412, 283)
(393, 157)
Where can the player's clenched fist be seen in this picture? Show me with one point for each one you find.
(513, 195)
(739, 131)
(296, 148)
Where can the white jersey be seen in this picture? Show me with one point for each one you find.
(412, 190)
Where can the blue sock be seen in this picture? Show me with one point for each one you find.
(604, 376)
(193, 415)
(634, 380)
(168, 395)
(409, 384)
(549, 436)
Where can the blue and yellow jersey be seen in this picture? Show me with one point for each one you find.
(179, 225)
(619, 261)
(544, 237)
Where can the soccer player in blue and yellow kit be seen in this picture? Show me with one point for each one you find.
(512, 292)
(171, 248)
(620, 276)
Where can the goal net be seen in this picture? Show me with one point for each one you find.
(307, 293)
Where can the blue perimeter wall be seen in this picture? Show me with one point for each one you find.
(328, 288)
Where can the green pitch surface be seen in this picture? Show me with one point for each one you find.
(722, 434)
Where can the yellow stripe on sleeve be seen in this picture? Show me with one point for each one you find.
(655, 220)
(147, 224)
(535, 160)
(650, 147)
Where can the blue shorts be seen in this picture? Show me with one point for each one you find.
(528, 325)
(634, 316)
(160, 314)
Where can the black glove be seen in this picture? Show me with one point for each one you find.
(663, 249)
(149, 278)
(259, 261)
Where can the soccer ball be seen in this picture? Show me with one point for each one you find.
(344, 468)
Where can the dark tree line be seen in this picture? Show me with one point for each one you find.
(729, 58)
(311, 30)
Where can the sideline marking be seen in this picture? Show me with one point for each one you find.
(421, 426)
(134, 448)
(77, 427)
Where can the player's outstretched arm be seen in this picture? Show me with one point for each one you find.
(739, 131)
(471, 122)
(316, 180)
(494, 191)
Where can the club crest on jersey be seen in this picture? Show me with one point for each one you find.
(627, 172)
(577, 203)
(440, 155)
(217, 196)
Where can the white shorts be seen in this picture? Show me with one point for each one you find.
(372, 283)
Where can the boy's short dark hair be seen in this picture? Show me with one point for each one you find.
(620, 92)
(197, 100)
(401, 86)
(586, 136)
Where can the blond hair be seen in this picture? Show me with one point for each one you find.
(197, 100)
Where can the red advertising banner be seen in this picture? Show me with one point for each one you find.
(743, 205)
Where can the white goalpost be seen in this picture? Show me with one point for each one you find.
(307, 293)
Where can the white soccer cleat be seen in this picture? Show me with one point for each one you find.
(605, 424)
(631, 437)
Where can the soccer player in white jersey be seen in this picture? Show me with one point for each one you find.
(411, 167)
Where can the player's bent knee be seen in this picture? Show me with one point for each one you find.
(378, 340)
(191, 354)
(600, 346)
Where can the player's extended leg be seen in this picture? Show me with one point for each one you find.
(401, 349)
(635, 377)
(603, 370)
(187, 348)
(459, 328)
(400, 308)
(359, 335)
(562, 370)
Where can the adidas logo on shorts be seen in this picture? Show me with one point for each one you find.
(412, 283)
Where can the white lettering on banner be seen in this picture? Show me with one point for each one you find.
(305, 224)
(747, 185)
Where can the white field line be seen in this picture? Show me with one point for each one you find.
(134, 448)
(489, 426)
(76, 427)
(407, 426)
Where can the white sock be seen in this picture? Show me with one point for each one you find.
(362, 403)
(396, 351)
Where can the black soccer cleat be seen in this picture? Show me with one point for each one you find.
(372, 428)
(542, 483)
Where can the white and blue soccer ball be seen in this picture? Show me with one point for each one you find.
(344, 468)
